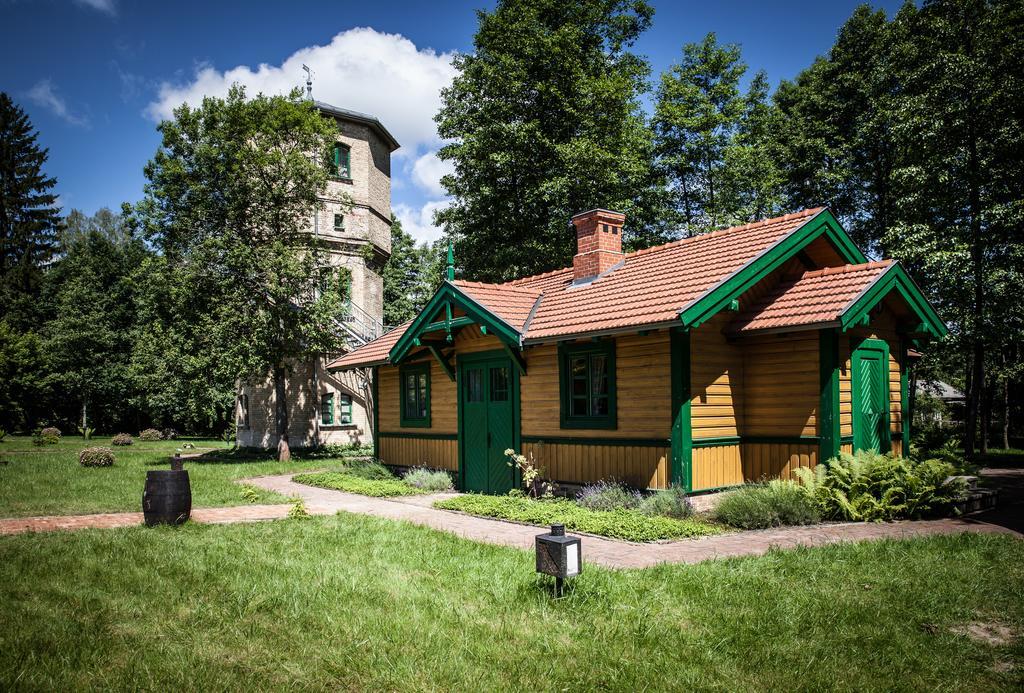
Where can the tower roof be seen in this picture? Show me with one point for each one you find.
(362, 119)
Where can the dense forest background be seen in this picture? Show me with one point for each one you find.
(910, 129)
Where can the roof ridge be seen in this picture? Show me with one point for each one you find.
(488, 285)
(728, 230)
(681, 241)
(843, 269)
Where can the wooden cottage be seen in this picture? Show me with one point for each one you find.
(737, 355)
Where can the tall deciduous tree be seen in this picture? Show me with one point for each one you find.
(544, 121)
(229, 202)
(29, 216)
(406, 285)
(712, 140)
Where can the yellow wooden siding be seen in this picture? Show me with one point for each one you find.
(847, 448)
(420, 452)
(716, 381)
(780, 385)
(777, 460)
(716, 466)
(640, 466)
(643, 385)
(443, 407)
(470, 340)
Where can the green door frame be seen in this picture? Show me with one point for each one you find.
(858, 420)
(681, 472)
(462, 360)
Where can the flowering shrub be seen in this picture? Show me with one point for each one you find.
(96, 457)
(151, 434)
(608, 495)
(169, 433)
(428, 479)
(121, 439)
(50, 431)
(530, 473)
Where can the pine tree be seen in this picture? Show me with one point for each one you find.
(712, 140)
(544, 121)
(29, 217)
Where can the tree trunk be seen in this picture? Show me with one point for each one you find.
(1006, 413)
(284, 453)
(986, 418)
(85, 420)
(970, 415)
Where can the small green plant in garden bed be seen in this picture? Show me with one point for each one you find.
(433, 480)
(630, 525)
(774, 504)
(869, 486)
(345, 481)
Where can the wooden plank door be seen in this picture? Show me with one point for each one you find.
(871, 396)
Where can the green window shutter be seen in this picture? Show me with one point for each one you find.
(345, 409)
(415, 394)
(587, 385)
(342, 161)
(327, 408)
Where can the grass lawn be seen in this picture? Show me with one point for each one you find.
(630, 525)
(351, 602)
(48, 480)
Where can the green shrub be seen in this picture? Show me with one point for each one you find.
(608, 495)
(86, 432)
(46, 437)
(151, 434)
(620, 524)
(433, 480)
(773, 504)
(96, 457)
(342, 481)
(298, 510)
(869, 486)
(670, 502)
(3, 434)
(369, 470)
(121, 439)
(169, 433)
(249, 494)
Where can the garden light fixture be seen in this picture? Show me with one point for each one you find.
(559, 555)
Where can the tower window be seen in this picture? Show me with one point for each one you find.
(339, 222)
(342, 161)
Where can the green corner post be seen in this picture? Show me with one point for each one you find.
(828, 409)
(682, 432)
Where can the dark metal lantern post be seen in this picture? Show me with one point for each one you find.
(167, 498)
(559, 555)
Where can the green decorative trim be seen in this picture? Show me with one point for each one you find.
(906, 416)
(846, 440)
(722, 441)
(445, 296)
(822, 224)
(606, 442)
(828, 407)
(406, 421)
(872, 345)
(682, 431)
(442, 361)
(894, 279)
(418, 436)
(375, 389)
(566, 352)
(462, 321)
(516, 356)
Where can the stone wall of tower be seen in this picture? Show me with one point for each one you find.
(362, 244)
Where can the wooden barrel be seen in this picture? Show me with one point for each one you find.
(167, 499)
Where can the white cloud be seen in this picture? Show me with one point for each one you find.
(419, 222)
(105, 6)
(43, 94)
(384, 75)
(427, 172)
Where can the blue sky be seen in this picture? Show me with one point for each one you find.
(96, 75)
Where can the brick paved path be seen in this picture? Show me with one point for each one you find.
(608, 552)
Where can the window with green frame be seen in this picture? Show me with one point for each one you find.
(339, 222)
(587, 385)
(342, 161)
(415, 394)
(327, 408)
(345, 409)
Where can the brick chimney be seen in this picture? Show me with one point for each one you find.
(598, 243)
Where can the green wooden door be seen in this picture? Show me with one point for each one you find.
(870, 384)
(488, 392)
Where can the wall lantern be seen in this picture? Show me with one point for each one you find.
(559, 555)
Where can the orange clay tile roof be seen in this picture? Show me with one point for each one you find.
(652, 286)
(373, 353)
(510, 303)
(815, 297)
